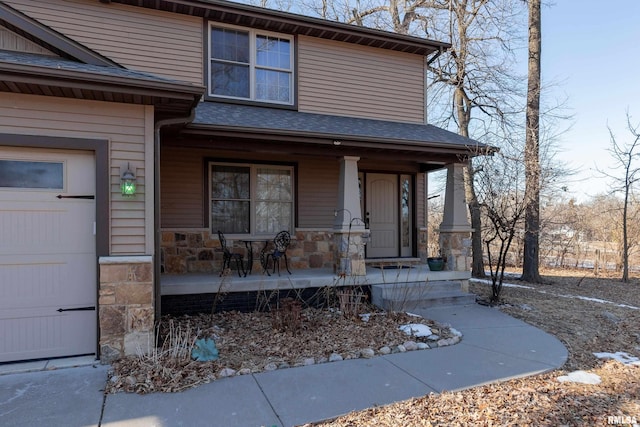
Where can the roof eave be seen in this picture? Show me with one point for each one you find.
(274, 20)
(344, 140)
(177, 97)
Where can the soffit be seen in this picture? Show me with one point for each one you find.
(284, 22)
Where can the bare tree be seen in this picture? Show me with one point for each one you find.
(478, 78)
(501, 197)
(625, 156)
(530, 268)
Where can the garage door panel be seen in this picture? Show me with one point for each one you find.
(47, 257)
(46, 281)
(64, 227)
(32, 334)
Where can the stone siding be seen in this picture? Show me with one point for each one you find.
(199, 251)
(126, 310)
(456, 249)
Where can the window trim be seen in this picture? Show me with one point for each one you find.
(253, 167)
(253, 34)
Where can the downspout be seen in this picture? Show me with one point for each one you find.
(156, 206)
(439, 52)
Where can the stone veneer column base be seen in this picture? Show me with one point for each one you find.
(125, 304)
(455, 246)
(349, 255)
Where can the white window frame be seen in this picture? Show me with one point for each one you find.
(253, 34)
(253, 179)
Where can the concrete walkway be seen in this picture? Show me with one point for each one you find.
(494, 347)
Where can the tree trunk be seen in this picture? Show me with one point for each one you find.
(530, 268)
(625, 235)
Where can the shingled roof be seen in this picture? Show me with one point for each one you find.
(55, 76)
(260, 122)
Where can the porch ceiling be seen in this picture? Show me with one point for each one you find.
(223, 125)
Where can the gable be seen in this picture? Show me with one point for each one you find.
(14, 42)
(153, 41)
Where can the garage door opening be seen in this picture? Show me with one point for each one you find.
(47, 254)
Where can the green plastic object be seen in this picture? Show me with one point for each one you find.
(435, 263)
(204, 350)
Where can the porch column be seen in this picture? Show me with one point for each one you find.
(455, 230)
(348, 225)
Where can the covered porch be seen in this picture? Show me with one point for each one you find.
(394, 286)
(351, 192)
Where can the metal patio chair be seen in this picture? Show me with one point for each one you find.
(276, 253)
(228, 256)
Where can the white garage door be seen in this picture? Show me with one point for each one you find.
(47, 254)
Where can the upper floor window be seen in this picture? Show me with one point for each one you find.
(250, 64)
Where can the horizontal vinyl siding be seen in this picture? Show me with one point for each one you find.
(11, 41)
(161, 43)
(123, 125)
(317, 192)
(351, 80)
(182, 188)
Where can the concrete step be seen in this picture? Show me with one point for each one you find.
(393, 263)
(406, 296)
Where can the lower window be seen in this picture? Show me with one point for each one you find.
(251, 198)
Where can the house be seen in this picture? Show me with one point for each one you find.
(222, 116)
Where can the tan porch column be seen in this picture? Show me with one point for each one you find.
(455, 230)
(348, 225)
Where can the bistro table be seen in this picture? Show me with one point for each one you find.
(248, 243)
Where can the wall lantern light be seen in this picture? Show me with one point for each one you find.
(128, 183)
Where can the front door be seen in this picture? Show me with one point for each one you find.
(388, 209)
(47, 254)
(382, 213)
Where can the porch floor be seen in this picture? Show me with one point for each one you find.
(203, 283)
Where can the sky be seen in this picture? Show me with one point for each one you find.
(591, 58)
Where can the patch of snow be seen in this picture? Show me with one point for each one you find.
(580, 377)
(620, 356)
(365, 317)
(506, 285)
(416, 330)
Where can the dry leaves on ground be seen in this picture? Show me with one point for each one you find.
(534, 401)
(252, 342)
